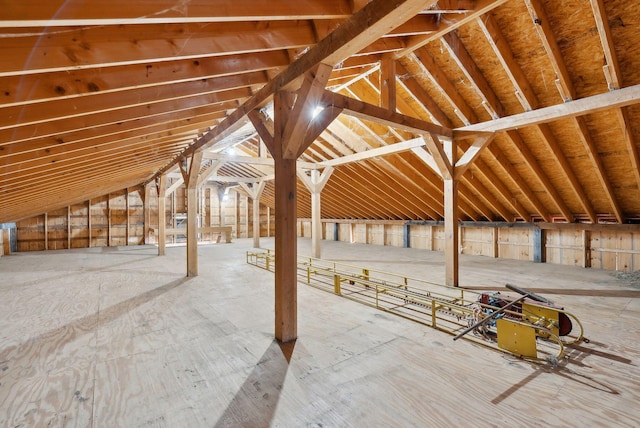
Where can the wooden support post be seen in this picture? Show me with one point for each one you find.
(289, 138)
(68, 226)
(126, 207)
(286, 327)
(256, 222)
(316, 224)
(192, 232)
(162, 214)
(108, 220)
(539, 252)
(586, 248)
(315, 183)
(147, 213)
(495, 234)
(431, 239)
(255, 191)
(451, 231)
(191, 179)
(89, 223)
(6, 241)
(46, 231)
(268, 222)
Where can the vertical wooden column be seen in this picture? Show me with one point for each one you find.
(451, 231)
(315, 183)
(586, 248)
(6, 241)
(495, 234)
(255, 191)
(147, 213)
(108, 220)
(69, 227)
(126, 207)
(286, 327)
(46, 231)
(268, 222)
(162, 214)
(287, 139)
(191, 179)
(89, 222)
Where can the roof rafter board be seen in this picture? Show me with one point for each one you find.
(481, 8)
(33, 13)
(613, 99)
(367, 25)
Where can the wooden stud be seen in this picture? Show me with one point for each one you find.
(162, 213)
(89, 222)
(126, 205)
(192, 213)
(147, 213)
(495, 236)
(46, 231)
(108, 220)
(388, 83)
(68, 226)
(586, 248)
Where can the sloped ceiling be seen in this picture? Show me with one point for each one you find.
(96, 96)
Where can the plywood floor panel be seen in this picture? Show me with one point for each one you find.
(119, 337)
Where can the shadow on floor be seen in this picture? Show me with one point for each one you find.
(255, 403)
(51, 340)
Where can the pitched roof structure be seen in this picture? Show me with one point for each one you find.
(539, 96)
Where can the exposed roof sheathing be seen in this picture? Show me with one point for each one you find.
(97, 96)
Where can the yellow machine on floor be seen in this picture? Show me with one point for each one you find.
(526, 325)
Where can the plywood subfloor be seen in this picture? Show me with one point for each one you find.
(118, 337)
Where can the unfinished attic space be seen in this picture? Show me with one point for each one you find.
(319, 213)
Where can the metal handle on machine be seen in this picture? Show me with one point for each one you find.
(492, 315)
(529, 294)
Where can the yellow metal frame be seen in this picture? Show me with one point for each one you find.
(449, 309)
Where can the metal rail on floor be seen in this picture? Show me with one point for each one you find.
(449, 309)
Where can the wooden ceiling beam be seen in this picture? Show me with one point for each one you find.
(544, 30)
(94, 127)
(607, 101)
(452, 22)
(25, 179)
(611, 68)
(34, 88)
(42, 147)
(103, 172)
(535, 166)
(365, 26)
(592, 153)
(429, 67)
(146, 45)
(614, 79)
(215, 90)
(56, 12)
(547, 134)
(469, 67)
(362, 110)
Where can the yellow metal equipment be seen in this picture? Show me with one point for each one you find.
(528, 326)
